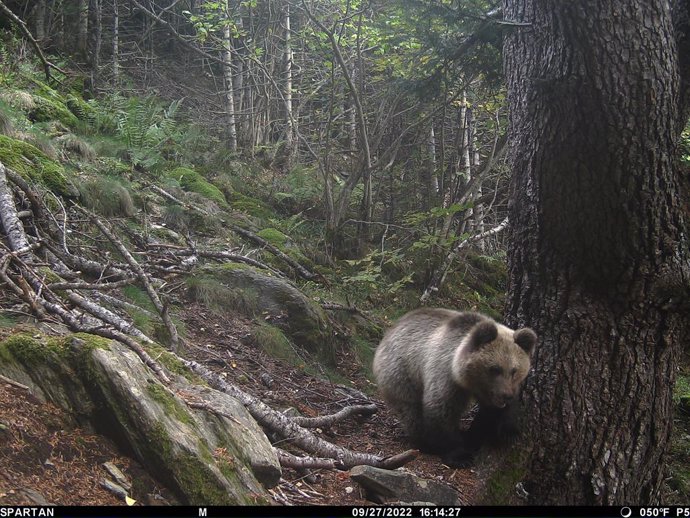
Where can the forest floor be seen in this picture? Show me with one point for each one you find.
(45, 460)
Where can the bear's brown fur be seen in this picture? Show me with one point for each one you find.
(434, 362)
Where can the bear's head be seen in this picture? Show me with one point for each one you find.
(492, 361)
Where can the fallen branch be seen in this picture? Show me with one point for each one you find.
(301, 270)
(14, 383)
(141, 274)
(8, 212)
(247, 234)
(329, 420)
(107, 316)
(288, 460)
(297, 435)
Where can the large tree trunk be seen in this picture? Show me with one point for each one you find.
(597, 250)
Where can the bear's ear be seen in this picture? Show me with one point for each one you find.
(526, 339)
(482, 334)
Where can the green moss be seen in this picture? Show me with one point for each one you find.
(365, 354)
(276, 344)
(251, 206)
(107, 196)
(52, 110)
(273, 236)
(681, 393)
(92, 342)
(189, 472)
(208, 290)
(172, 406)
(139, 297)
(172, 363)
(7, 320)
(238, 266)
(500, 486)
(190, 180)
(33, 164)
(80, 108)
(30, 350)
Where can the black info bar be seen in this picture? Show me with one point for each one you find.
(398, 511)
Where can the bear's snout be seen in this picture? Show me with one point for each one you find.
(502, 399)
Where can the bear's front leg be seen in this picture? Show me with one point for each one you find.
(492, 426)
(442, 406)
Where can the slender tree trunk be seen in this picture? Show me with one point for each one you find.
(430, 180)
(94, 47)
(116, 43)
(597, 254)
(39, 18)
(289, 118)
(82, 27)
(229, 91)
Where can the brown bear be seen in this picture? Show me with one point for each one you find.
(433, 363)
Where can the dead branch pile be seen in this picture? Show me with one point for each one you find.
(66, 265)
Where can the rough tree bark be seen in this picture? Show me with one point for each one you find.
(598, 258)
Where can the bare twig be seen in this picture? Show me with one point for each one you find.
(14, 383)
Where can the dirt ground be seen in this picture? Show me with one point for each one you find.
(43, 458)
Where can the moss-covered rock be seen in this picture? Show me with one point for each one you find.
(190, 180)
(80, 108)
(251, 206)
(273, 236)
(108, 389)
(33, 164)
(279, 303)
(47, 109)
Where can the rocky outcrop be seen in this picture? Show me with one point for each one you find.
(386, 486)
(209, 458)
(278, 302)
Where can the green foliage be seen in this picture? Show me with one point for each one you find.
(678, 483)
(301, 189)
(685, 145)
(144, 127)
(192, 181)
(6, 123)
(80, 108)
(380, 273)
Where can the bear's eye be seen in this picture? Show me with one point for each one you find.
(513, 371)
(495, 370)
